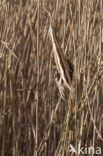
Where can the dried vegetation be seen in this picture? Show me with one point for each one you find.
(33, 118)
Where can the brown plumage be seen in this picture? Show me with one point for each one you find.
(63, 71)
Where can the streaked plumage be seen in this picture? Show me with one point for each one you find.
(63, 89)
(63, 71)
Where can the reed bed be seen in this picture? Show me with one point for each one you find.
(34, 120)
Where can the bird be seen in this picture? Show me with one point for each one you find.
(63, 69)
(63, 89)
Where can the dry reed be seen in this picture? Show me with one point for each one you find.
(34, 120)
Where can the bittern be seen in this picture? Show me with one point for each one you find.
(63, 71)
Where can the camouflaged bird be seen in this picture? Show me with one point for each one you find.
(63, 70)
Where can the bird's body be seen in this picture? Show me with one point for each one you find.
(63, 89)
(63, 71)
